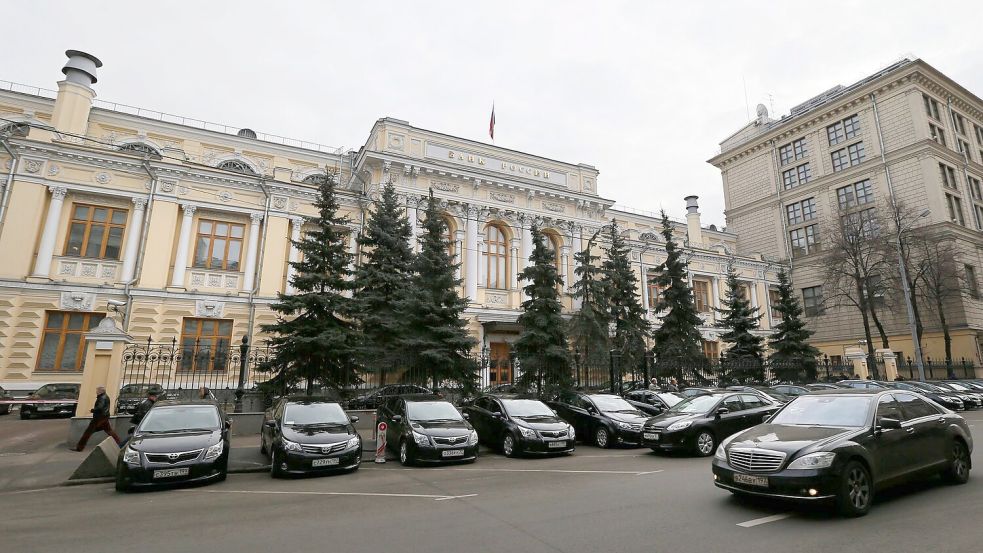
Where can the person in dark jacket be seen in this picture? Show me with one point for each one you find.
(100, 420)
(143, 407)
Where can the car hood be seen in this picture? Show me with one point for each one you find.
(665, 419)
(551, 423)
(787, 438)
(170, 443)
(456, 428)
(317, 434)
(626, 417)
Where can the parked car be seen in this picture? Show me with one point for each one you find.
(605, 419)
(425, 428)
(177, 442)
(375, 399)
(938, 395)
(57, 391)
(825, 386)
(303, 434)
(844, 446)
(517, 425)
(504, 389)
(698, 390)
(699, 423)
(652, 402)
(766, 391)
(5, 396)
(862, 384)
(132, 394)
(970, 399)
(791, 390)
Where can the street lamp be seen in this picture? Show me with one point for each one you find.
(906, 290)
(241, 388)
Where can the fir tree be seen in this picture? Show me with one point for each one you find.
(382, 281)
(792, 357)
(678, 340)
(437, 339)
(542, 348)
(624, 304)
(589, 325)
(743, 361)
(313, 338)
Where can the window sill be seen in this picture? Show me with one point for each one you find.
(52, 372)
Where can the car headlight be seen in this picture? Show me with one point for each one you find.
(473, 438)
(624, 425)
(421, 439)
(215, 450)
(679, 425)
(353, 442)
(131, 455)
(291, 446)
(721, 453)
(571, 432)
(527, 432)
(814, 461)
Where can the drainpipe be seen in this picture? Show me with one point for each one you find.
(144, 232)
(259, 266)
(14, 160)
(781, 206)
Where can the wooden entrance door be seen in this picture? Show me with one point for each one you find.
(499, 363)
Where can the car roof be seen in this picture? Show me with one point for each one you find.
(422, 397)
(184, 402)
(852, 392)
(308, 399)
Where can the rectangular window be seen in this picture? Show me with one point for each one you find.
(774, 299)
(855, 194)
(955, 209)
(205, 344)
(804, 173)
(846, 129)
(809, 209)
(963, 147)
(804, 240)
(937, 134)
(794, 213)
(835, 133)
(95, 231)
(959, 123)
(851, 126)
(978, 213)
(790, 178)
(856, 153)
(840, 159)
(711, 349)
(701, 295)
(792, 151)
(948, 176)
(812, 300)
(218, 245)
(974, 188)
(931, 107)
(62, 342)
(971, 284)
(979, 134)
(653, 291)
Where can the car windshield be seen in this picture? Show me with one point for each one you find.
(847, 411)
(670, 399)
(178, 418)
(775, 394)
(57, 391)
(612, 404)
(959, 387)
(696, 404)
(527, 408)
(304, 414)
(139, 389)
(432, 411)
(926, 386)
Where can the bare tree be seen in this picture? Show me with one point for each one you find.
(903, 239)
(941, 282)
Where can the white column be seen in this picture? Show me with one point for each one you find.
(249, 273)
(184, 241)
(471, 267)
(715, 291)
(577, 302)
(295, 225)
(459, 246)
(132, 247)
(411, 215)
(515, 265)
(645, 288)
(526, 242)
(754, 293)
(565, 267)
(46, 249)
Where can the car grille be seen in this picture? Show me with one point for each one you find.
(553, 433)
(173, 457)
(324, 449)
(755, 460)
(454, 440)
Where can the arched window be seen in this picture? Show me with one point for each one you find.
(496, 258)
(140, 148)
(552, 242)
(316, 179)
(237, 166)
(448, 237)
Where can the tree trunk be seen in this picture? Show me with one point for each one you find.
(919, 327)
(871, 361)
(945, 331)
(880, 328)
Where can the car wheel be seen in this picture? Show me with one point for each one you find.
(508, 445)
(958, 470)
(856, 491)
(262, 446)
(602, 437)
(24, 415)
(275, 470)
(705, 443)
(404, 454)
(122, 482)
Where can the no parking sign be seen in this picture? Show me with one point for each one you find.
(380, 442)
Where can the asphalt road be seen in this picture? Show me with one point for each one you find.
(594, 501)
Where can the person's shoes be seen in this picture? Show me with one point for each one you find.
(74, 449)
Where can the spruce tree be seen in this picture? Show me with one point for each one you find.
(677, 341)
(624, 303)
(542, 348)
(313, 338)
(437, 339)
(743, 361)
(589, 325)
(792, 357)
(382, 282)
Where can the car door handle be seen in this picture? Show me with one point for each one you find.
(910, 430)
(941, 420)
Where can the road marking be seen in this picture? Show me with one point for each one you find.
(764, 520)
(358, 494)
(561, 471)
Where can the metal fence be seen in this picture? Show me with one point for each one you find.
(937, 370)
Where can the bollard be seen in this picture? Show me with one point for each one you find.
(380, 442)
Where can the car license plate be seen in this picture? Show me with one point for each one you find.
(171, 473)
(452, 453)
(556, 445)
(760, 481)
(325, 462)
(46, 407)
(650, 436)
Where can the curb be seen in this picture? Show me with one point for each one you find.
(108, 479)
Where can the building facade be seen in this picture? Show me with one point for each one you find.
(185, 227)
(906, 134)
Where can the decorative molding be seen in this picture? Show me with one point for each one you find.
(77, 301)
(33, 165)
(102, 177)
(225, 196)
(53, 169)
(279, 202)
(139, 203)
(396, 142)
(189, 209)
(210, 309)
(496, 298)
(555, 207)
(256, 218)
(502, 197)
(58, 192)
(445, 186)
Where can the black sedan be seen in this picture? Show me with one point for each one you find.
(177, 442)
(652, 402)
(51, 395)
(605, 419)
(426, 429)
(132, 394)
(375, 399)
(769, 393)
(5, 396)
(971, 398)
(517, 425)
(700, 422)
(938, 395)
(304, 435)
(791, 390)
(843, 446)
(825, 386)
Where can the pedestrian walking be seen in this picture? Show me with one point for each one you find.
(205, 394)
(100, 420)
(141, 411)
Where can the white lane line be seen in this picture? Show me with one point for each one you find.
(764, 520)
(648, 472)
(560, 471)
(357, 494)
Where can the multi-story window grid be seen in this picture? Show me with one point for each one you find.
(847, 157)
(931, 107)
(804, 240)
(205, 344)
(954, 207)
(959, 123)
(701, 295)
(855, 194)
(796, 176)
(846, 129)
(799, 212)
(972, 286)
(792, 151)
(218, 245)
(63, 342)
(812, 300)
(95, 231)
(948, 176)
(937, 134)
(976, 192)
(496, 258)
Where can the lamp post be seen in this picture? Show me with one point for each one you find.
(906, 290)
(241, 388)
(613, 356)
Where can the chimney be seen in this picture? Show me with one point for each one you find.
(693, 230)
(75, 93)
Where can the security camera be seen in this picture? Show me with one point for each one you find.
(116, 305)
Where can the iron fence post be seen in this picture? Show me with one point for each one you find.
(241, 388)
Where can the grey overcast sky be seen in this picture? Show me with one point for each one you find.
(644, 91)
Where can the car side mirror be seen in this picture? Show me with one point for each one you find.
(397, 418)
(886, 423)
(353, 418)
(270, 424)
(228, 424)
(722, 411)
(131, 430)
(494, 415)
(466, 416)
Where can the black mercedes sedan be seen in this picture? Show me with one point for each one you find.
(427, 429)
(843, 446)
(605, 419)
(938, 395)
(518, 425)
(698, 424)
(971, 398)
(307, 435)
(177, 442)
